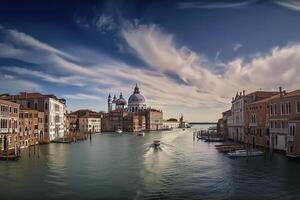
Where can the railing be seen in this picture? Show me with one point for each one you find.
(279, 130)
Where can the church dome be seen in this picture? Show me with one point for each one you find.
(121, 101)
(136, 97)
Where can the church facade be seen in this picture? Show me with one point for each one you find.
(132, 116)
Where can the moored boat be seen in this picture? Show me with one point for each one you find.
(141, 134)
(244, 153)
(119, 131)
(214, 139)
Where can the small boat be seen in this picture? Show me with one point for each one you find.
(141, 134)
(156, 143)
(244, 153)
(9, 157)
(119, 131)
(214, 139)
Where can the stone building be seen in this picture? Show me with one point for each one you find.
(236, 122)
(283, 114)
(131, 117)
(257, 122)
(54, 110)
(222, 126)
(31, 127)
(84, 121)
(9, 126)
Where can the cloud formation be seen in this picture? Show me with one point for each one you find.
(290, 4)
(215, 5)
(173, 75)
(236, 47)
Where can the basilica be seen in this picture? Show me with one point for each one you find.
(132, 116)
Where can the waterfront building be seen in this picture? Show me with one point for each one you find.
(222, 126)
(31, 127)
(257, 122)
(283, 115)
(54, 110)
(9, 126)
(84, 121)
(90, 124)
(131, 117)
(236, 123)
(170, 124)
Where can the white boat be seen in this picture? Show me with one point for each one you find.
(119, 131)
(243, 153)
(141, 134)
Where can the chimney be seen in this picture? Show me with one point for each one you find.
(280, 90)
(243, 92)
(240, 93)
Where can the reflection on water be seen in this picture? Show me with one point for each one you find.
(125, 166)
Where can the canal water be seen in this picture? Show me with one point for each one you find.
(123, 166)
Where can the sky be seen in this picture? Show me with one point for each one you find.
(187, 56)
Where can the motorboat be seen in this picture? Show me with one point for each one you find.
(141, 134)
(119, 131)
(244, 153)
(156, 143)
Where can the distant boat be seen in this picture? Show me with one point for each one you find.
(156, 143)
(141, 134)
(119, 131)
(243, 153)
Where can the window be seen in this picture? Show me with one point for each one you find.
(275, 108)
(291, 149)
(276, 140)
(28, 104)
(35, 106)
(46, 118)
(282, 124)
(298, 106)
(46, 106)
(271, 110)
(10, 109)
(282, 109)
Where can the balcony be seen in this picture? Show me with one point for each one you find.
(3, 130)
(253, 124)
(279, 130)
(290, 138)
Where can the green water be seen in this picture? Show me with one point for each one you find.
(123, 166)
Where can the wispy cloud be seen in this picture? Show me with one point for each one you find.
(214, 4)
(290, 4)
(81, 96)
(218, 53)
(237, 46)
(105, 24)
(172, 76)
(68, 80)
(9, 84)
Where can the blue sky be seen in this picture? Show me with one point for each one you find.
(187, 56)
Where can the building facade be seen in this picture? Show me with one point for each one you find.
(90, 124)
(31, 127)
(54, 110)
(237, 126)
(9, 126)
(283, 113)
